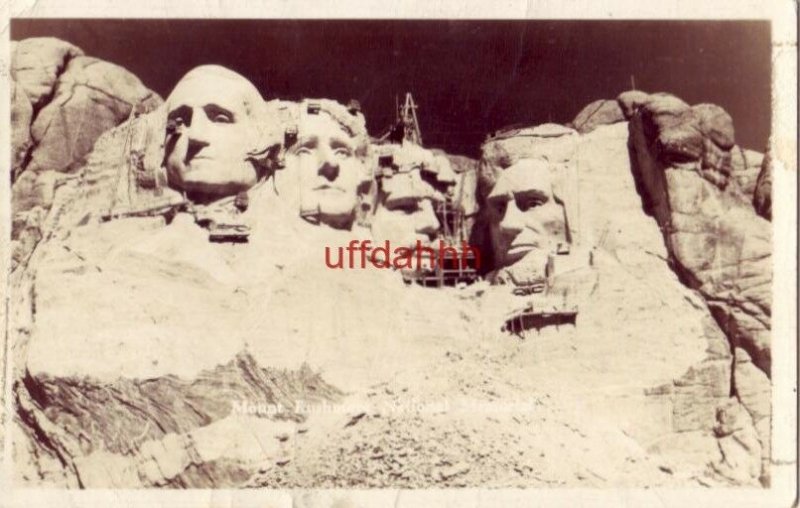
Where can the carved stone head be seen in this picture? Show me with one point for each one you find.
(413, 183)
(527, 214)
(326, 165)
(213, 134)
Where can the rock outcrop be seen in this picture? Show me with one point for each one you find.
(91, 96)
(597, 113)
(630, 101)
(699, 185)
(36, 65)
(719, 245)
(706, 385)
(386, 426)
(151, 419)
(187, 363)
(62, 101)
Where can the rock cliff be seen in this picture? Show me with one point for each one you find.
(186, 363)
(62, 101)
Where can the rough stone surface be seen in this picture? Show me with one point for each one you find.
(553, 142)
(673, 128)
(62, 102)
(716, 124)
(91, 97)
(746, 165)
(194, 364)
(36, 65)
(21, 118)
(754, 391)
(630, 101)
(720, 246)
(600, 112)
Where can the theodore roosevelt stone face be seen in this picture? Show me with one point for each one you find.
(407, 198)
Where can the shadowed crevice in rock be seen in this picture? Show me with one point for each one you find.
(762, 195)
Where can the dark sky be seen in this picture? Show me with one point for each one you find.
(468, 77)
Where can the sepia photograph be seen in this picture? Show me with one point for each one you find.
(318, 257)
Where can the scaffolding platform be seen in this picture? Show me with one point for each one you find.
(167, 209)
(228, 233)
(531, 318)
(450, 272)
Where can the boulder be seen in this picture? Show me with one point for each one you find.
(716, 124)
(673, 127)
(91, 97)
(600, 112)
(37, 63)
(630, 101)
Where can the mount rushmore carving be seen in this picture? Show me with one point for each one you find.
(172, 276)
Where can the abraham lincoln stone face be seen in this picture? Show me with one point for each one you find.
(212, 133)
(526, 217)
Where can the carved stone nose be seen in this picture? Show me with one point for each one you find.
(512, 222)
(329, 170)
(427, 222)
(194, 146)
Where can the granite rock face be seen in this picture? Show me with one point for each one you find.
(37, 63)
(706, 386)
(630, 101)
(187, 363)
(555, 142)
(62, 101)
(718, 243)
(698, 185)
(148, 423)
(21, 117)
(746, 167)
(91, 96)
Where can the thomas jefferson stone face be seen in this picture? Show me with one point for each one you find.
(213, 132)
(324, 169)
(525, 216)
